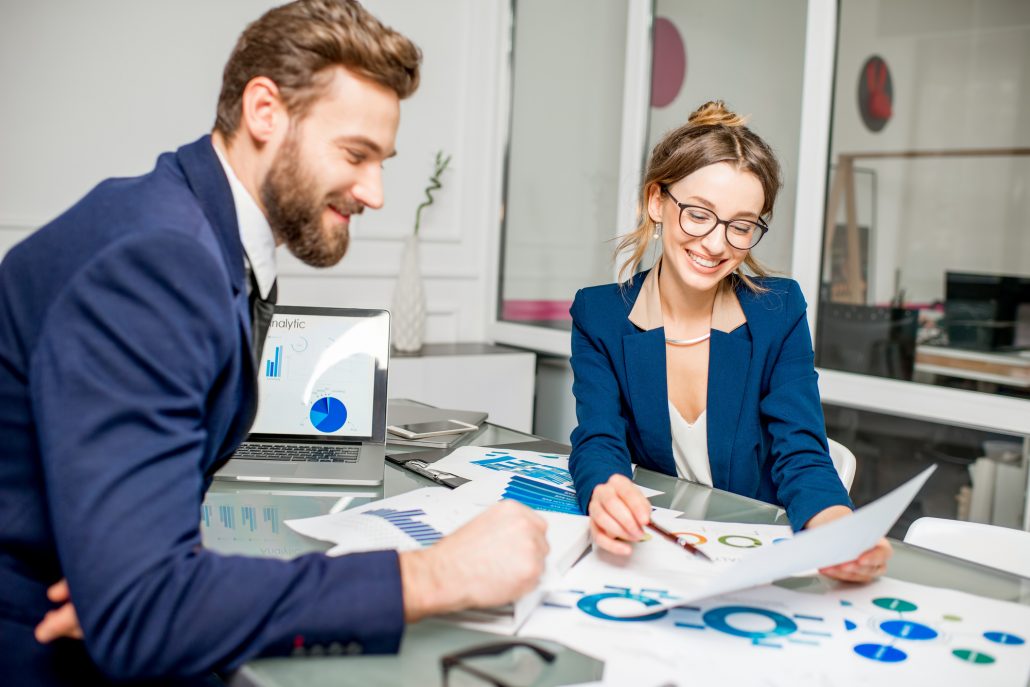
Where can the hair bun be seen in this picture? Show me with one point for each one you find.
(714, 113)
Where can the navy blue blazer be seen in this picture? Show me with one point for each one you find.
(766, 433)
(126, 380)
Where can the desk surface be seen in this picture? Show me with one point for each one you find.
(417, 662)
(1008, 368)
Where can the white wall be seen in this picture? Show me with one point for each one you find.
(100, 88)
(961, 79)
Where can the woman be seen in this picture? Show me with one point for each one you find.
(702, 367)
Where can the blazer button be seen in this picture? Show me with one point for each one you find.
(354, 648)
(335, 649)
(317, 650)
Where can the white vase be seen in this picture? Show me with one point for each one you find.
(408, 318)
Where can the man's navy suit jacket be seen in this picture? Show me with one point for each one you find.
(126, 380)
(766, 433)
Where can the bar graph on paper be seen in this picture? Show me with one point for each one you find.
(529, 468)
(410, 522)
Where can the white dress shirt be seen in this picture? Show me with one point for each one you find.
(255, 233)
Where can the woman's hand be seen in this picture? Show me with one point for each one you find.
(868, 566)
(618, 511)
(61, 622)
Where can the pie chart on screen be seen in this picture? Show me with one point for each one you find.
(328, 414)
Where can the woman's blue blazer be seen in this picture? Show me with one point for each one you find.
(766, 433)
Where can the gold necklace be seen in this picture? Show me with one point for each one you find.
(687, 342)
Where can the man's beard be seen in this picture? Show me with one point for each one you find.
(289, 194)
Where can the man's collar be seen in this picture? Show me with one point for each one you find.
(646, 314)
(255, 233)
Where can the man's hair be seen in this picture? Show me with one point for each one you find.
(297, 46)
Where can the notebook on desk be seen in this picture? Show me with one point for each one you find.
(321, 415)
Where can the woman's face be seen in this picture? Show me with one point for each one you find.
(701, 263)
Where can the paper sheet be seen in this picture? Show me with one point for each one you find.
(900, 633)
(837, 542)
(404, 522)
(537, 495)
(476, 462)
(743, 636)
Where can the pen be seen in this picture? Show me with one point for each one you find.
(679, 541)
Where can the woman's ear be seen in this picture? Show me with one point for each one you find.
(654, 203)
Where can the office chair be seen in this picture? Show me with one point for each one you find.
(1003, 548)
(845, 462)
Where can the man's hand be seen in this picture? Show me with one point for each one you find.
(492, 560)
(618, 512)
(62, 621)
(868, 566)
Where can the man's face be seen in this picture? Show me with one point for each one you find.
(329, 167)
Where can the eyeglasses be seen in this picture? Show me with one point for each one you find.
(456, 660)
(698, 221)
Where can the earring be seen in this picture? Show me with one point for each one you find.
(657, 230)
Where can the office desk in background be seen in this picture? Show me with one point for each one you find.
(424, 643)
(1011, 369)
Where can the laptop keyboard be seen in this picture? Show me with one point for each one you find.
(298, 453)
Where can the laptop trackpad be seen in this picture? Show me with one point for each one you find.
(266, 470)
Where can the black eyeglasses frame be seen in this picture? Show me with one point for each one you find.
(456, 659)
(762, 226)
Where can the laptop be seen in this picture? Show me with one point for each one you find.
(321, 415)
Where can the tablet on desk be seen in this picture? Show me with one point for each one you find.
(432, 428)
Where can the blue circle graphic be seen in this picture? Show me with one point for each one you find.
(848, 625)
(589, 605)
(906, 629)
(880, 652)
(719, 619)
(1004, 638)
(328, 414)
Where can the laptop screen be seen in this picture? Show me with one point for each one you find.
(322, 374)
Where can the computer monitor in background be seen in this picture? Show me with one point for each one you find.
(867, 339)
(987, 311)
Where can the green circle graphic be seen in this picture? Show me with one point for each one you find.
(972, 656)
(755, 543)
(890, 604)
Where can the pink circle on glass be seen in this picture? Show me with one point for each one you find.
(668, 63)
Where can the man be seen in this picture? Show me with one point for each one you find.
(127, 378)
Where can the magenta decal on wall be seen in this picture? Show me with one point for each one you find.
(875, 93)
(668, 63)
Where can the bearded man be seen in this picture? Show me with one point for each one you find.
(127, 378)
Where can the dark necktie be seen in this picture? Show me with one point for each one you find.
(261, 311)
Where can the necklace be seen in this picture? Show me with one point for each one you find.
(687, 342)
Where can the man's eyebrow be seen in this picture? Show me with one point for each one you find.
(365, 142)
(711, 206)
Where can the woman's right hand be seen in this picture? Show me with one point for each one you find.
(618, 512)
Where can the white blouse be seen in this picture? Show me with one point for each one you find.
(690, 447)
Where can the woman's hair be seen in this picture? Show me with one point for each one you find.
(298, 44)
(712, 134)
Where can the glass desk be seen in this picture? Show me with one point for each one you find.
(425, 642)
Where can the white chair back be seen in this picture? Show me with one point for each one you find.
(997, 547)
(845, 462)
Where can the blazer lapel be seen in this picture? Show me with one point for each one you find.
(207, 181)
(648, 394)
(729, 361)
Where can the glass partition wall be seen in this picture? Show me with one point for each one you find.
(901, 126)
(923, 321)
